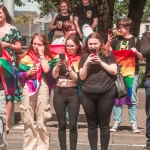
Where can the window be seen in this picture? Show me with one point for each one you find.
(147, 28)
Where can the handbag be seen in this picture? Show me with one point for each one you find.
(120, 83)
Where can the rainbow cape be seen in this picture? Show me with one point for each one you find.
(56, 49)
(33, 84)
(127, 59)
(7, 73)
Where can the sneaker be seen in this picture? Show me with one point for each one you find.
(115, 127)
(147, 147)
(135, 128)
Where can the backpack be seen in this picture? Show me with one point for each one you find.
(1, 127)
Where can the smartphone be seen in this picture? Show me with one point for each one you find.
(62, 56)
(110, 31)
(93, 51)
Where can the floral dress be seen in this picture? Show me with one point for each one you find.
(12, 35)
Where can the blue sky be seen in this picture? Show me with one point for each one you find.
(28, 7)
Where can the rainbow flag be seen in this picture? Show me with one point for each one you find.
(7, 73)
(127, 59)
(33, 84)
(56, 49)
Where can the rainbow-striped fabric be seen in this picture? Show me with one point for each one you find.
(8, 74)
(127, 59)
(33, 84)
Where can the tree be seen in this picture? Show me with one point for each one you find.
(24, 19)
(110, 11)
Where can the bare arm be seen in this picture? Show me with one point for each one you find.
(76, 20)
(95, 23)
(51, 25)
(15, 47)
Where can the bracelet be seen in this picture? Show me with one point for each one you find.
(56, 71)
(69, 71)
(42, 57)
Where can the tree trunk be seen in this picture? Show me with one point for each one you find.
(136, 8)
(105, 8)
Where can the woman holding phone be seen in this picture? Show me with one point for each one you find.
(66, 91)
(97, 70)
(33, 68)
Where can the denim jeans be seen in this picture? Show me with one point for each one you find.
(147, 108)
(132, 109)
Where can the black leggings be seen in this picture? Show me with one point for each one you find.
(98, 108)
(67, 98)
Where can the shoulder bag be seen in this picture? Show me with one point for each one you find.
(120, 83)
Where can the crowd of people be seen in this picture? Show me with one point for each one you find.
(84, 73)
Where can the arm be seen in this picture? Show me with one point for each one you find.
(71, 17)
(76, 20)
(138, 54)
(72, 74)
(52, 26)
(95, 23)
(15, 47)
(83, 70)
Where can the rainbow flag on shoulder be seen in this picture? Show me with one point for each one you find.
(127, 59)
(7, 73)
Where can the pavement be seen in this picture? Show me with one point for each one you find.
(124, 139)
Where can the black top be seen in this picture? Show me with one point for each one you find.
(81, 12)
(122, 43)
(59, 17)
(145, 50)
(98, 80)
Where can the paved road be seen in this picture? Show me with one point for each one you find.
(124, 139)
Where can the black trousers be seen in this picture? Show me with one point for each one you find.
(67, 98)
(98, 108)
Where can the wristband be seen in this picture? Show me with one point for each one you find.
(42, 57)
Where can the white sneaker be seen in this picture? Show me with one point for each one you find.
(135, 128)
(115, 127)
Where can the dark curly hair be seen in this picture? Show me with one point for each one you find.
(102, 49)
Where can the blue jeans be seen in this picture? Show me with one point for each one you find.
(147, 108)
(132, 109)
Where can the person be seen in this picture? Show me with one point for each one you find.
(3, 143)
(145, 50)
(66, 91)
(97, 68)
(10, 41)
(59, 18)
(33, 67)
(85, 13)
(126, 41)
(69, 29)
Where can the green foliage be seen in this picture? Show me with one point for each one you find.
(120, 9)
(141, 76)
(24, 19)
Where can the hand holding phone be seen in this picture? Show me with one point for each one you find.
(62, 56)
(93, 51)
(110, 31)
